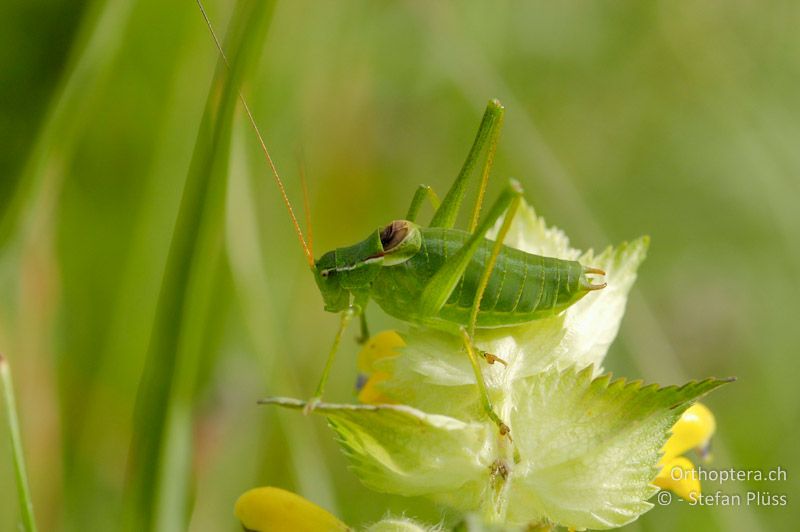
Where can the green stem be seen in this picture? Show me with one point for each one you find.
(23, 488)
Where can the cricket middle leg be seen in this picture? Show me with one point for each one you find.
(486, 402)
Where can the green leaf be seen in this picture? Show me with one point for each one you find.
(584, 454)
(402, 450)
(433, 374)
(588, 448)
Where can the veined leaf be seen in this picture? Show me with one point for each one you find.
(588, 448)
(399, 449)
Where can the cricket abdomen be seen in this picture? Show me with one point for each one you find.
(522, 287)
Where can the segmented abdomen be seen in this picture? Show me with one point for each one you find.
(522, 287)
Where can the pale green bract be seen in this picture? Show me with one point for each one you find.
(400, 524)
(412, 451)
(584, 448)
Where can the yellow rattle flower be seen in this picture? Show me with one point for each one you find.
(693, 430)
(271, 509)
(381, 346)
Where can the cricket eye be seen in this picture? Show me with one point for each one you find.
(393, 234)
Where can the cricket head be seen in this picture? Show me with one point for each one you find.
(343, 271)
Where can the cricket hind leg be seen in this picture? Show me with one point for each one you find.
(486, 402)
(488, 133)
(494, 137)
(442, 283)
(423, 192)
(468, 336)
(511, 211)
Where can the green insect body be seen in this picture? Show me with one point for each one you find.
(438, 276)
(444, 278)
(522, 287)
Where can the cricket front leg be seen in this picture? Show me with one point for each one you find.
(345, 319)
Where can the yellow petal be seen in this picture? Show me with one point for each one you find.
(385, 344)
(679, 476)
(273, 509)
(693, 429)
(370, 394)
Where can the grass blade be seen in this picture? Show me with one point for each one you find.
(159, 474)
(21, 476)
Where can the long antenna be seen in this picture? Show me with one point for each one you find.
(306, 204)
(281, 188)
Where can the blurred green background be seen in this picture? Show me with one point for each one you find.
(680, 120)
